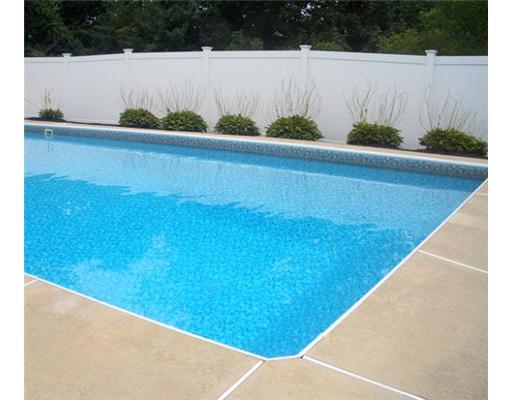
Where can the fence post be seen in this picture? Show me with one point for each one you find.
(206, 82)
(304, 64)
(430, 61)
(66, 107)
(127, 66)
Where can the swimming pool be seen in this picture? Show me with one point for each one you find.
(254, 251)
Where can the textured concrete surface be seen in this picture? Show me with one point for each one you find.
(302, 380)
(464, 237)
(79, 349)
(423, 331)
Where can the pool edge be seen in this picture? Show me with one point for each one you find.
(311, 344)
(388, 275)
(381, 159)
(342, 316)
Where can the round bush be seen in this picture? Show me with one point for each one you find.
(374, 135)
(187, 121)
(294, 127)
(236, 125)
(50, 114)
(453, 141)
(138, 118)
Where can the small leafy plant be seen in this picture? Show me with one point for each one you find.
(187, 121)
(181, 103)
(50, 114)
(138, 118)
(235, 113)
(49, 110)
(295, 106)
(451, 127)
(293, 99)
(294, 127)
(453, 141)
(236, 125)
(374, 118)
(367, 134)
(137, 104)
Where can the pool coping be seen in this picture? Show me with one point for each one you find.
(320, 143)
(310, 345)
(379, 158)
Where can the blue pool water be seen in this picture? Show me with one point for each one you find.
(258, 252)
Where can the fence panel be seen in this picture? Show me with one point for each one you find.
(87, 88)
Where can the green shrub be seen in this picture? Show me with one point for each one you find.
(294, 127)
(236, 125)
(187, 121)
(51, 114)
(374, 135)
(330, 46)
(240, 41)
(453, 141)
(138, 118)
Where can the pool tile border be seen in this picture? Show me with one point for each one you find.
(304, 151)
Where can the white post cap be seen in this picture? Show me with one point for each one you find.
(206, 48)
(434, 52)
(66, 54)
(305, 47)
(127, 50)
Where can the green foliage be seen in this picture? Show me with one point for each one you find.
(240, 41)
(187, 121)
(330, 46)
(377, 135)
(451, 27)
(138, 118)
(453, 141)
(407, 42)
(51, 114)
(236, 125)
(294, 127)
(91, 27)
(54, 27)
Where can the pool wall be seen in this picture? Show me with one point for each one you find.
(296, 150)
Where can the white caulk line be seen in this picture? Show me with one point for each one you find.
(453, 261)
(364, 379)
(390, 273)
(240, 381)
(31, 282)
(152, 321)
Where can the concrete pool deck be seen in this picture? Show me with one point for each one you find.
(421, 334)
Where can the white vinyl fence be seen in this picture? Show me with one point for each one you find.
(87, 88)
